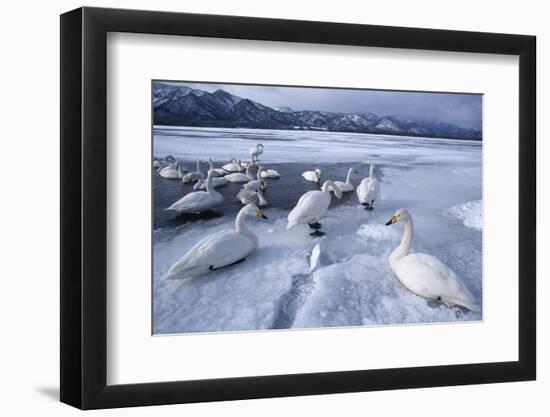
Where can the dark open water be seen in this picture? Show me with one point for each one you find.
(282, 193)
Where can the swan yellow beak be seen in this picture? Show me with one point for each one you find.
(261, 214)
(392, 221)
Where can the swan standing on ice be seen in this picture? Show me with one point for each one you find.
(233, 166)
(313, 176)
(219, 249)
(172, 171)
(424, 274)
(190, 176)
(311, 207)
(239, 176)
(198, 201)
(254, 185)
(347, 186)
(270, 173)
(256, 151)
(368, 190)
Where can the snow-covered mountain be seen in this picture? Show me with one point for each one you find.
(183, 106)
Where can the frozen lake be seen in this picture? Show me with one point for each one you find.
(349, 283)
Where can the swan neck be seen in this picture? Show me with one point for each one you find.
(406, 242)
(325, 186)
(209, 187)
(348, 178)
(248, 168)
(240, 224)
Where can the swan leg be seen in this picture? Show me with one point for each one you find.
(317, 233)
(315, 225)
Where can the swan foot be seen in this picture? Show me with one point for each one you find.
(315, 225)
(317, 233)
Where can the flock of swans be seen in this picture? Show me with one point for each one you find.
(421, 273)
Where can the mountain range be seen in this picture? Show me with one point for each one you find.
(184, 106)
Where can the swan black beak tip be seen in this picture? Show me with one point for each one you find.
(388, 223)
(264, 217)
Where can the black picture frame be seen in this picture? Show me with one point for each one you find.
(84, 207)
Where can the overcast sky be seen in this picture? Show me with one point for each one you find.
(461, 109)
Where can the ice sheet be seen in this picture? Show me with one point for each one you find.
(342, 279)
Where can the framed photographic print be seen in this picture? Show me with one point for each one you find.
(276, 208)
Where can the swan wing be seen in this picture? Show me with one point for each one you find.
(215, 251)
(372, 189)
(310, 207)
(427, 276)
(344, 186)
(237, 177)
(362, 190)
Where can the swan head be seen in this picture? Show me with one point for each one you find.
(253, 210)
(400, 215)
(259, 145)
(318, 173)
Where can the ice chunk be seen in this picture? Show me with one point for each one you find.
(469, 213)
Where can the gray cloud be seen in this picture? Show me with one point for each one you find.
(461, 109)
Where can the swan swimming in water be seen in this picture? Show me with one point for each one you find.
(424, 274)
(368, 190)
(216, 182)
(257, 183)
(252, 197)
(313, 176)
(190, 176)
(240, 176)
(219, 249)
(347, 186)
(218, 172)
(270, 173)
(233, 166)
(256, 151)
(311, 206)
(172, 171)
(198, 201)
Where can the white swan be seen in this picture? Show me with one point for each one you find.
(240, 176)
(257, 183)
(368, 190)
(218, 172)
(190, 176)
(311, 206)
(424, 274)
(216, 182)
(270, 173)
(219, 249)
(157, 164)
(256, 151)
(172, 171)
(347, 186)
(252, 197)
(198, 201)
(313, 176)
(233, 166)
